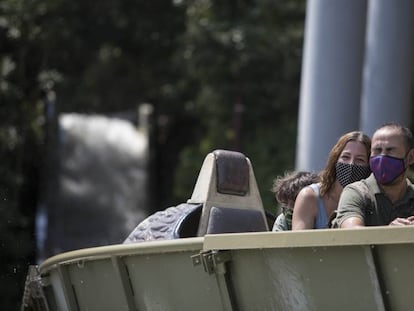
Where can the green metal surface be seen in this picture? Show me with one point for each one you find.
(359, 269)
(395, 262)
(309, 278)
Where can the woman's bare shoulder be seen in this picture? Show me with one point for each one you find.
(306, 193)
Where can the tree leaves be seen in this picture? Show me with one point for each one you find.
(220, 74)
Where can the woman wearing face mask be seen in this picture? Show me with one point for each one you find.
(348, 162)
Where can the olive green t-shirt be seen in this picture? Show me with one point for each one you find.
(366, 200)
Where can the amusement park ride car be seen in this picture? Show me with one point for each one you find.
(215, 252)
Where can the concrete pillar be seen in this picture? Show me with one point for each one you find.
(387, 78)
(331, 77)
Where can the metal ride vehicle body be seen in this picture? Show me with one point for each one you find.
(220, 255)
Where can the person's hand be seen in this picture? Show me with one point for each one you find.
(403, 221)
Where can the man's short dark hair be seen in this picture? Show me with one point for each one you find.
(405, 131)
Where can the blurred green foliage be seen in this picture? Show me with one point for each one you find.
(243, 59)
(220, 74)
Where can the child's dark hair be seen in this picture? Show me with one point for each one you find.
(287, 187)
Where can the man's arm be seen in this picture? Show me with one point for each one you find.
(352, 222)
(350, 209)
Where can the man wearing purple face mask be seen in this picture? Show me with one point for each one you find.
(386, 197)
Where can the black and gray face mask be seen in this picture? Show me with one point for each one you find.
(348, 173)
